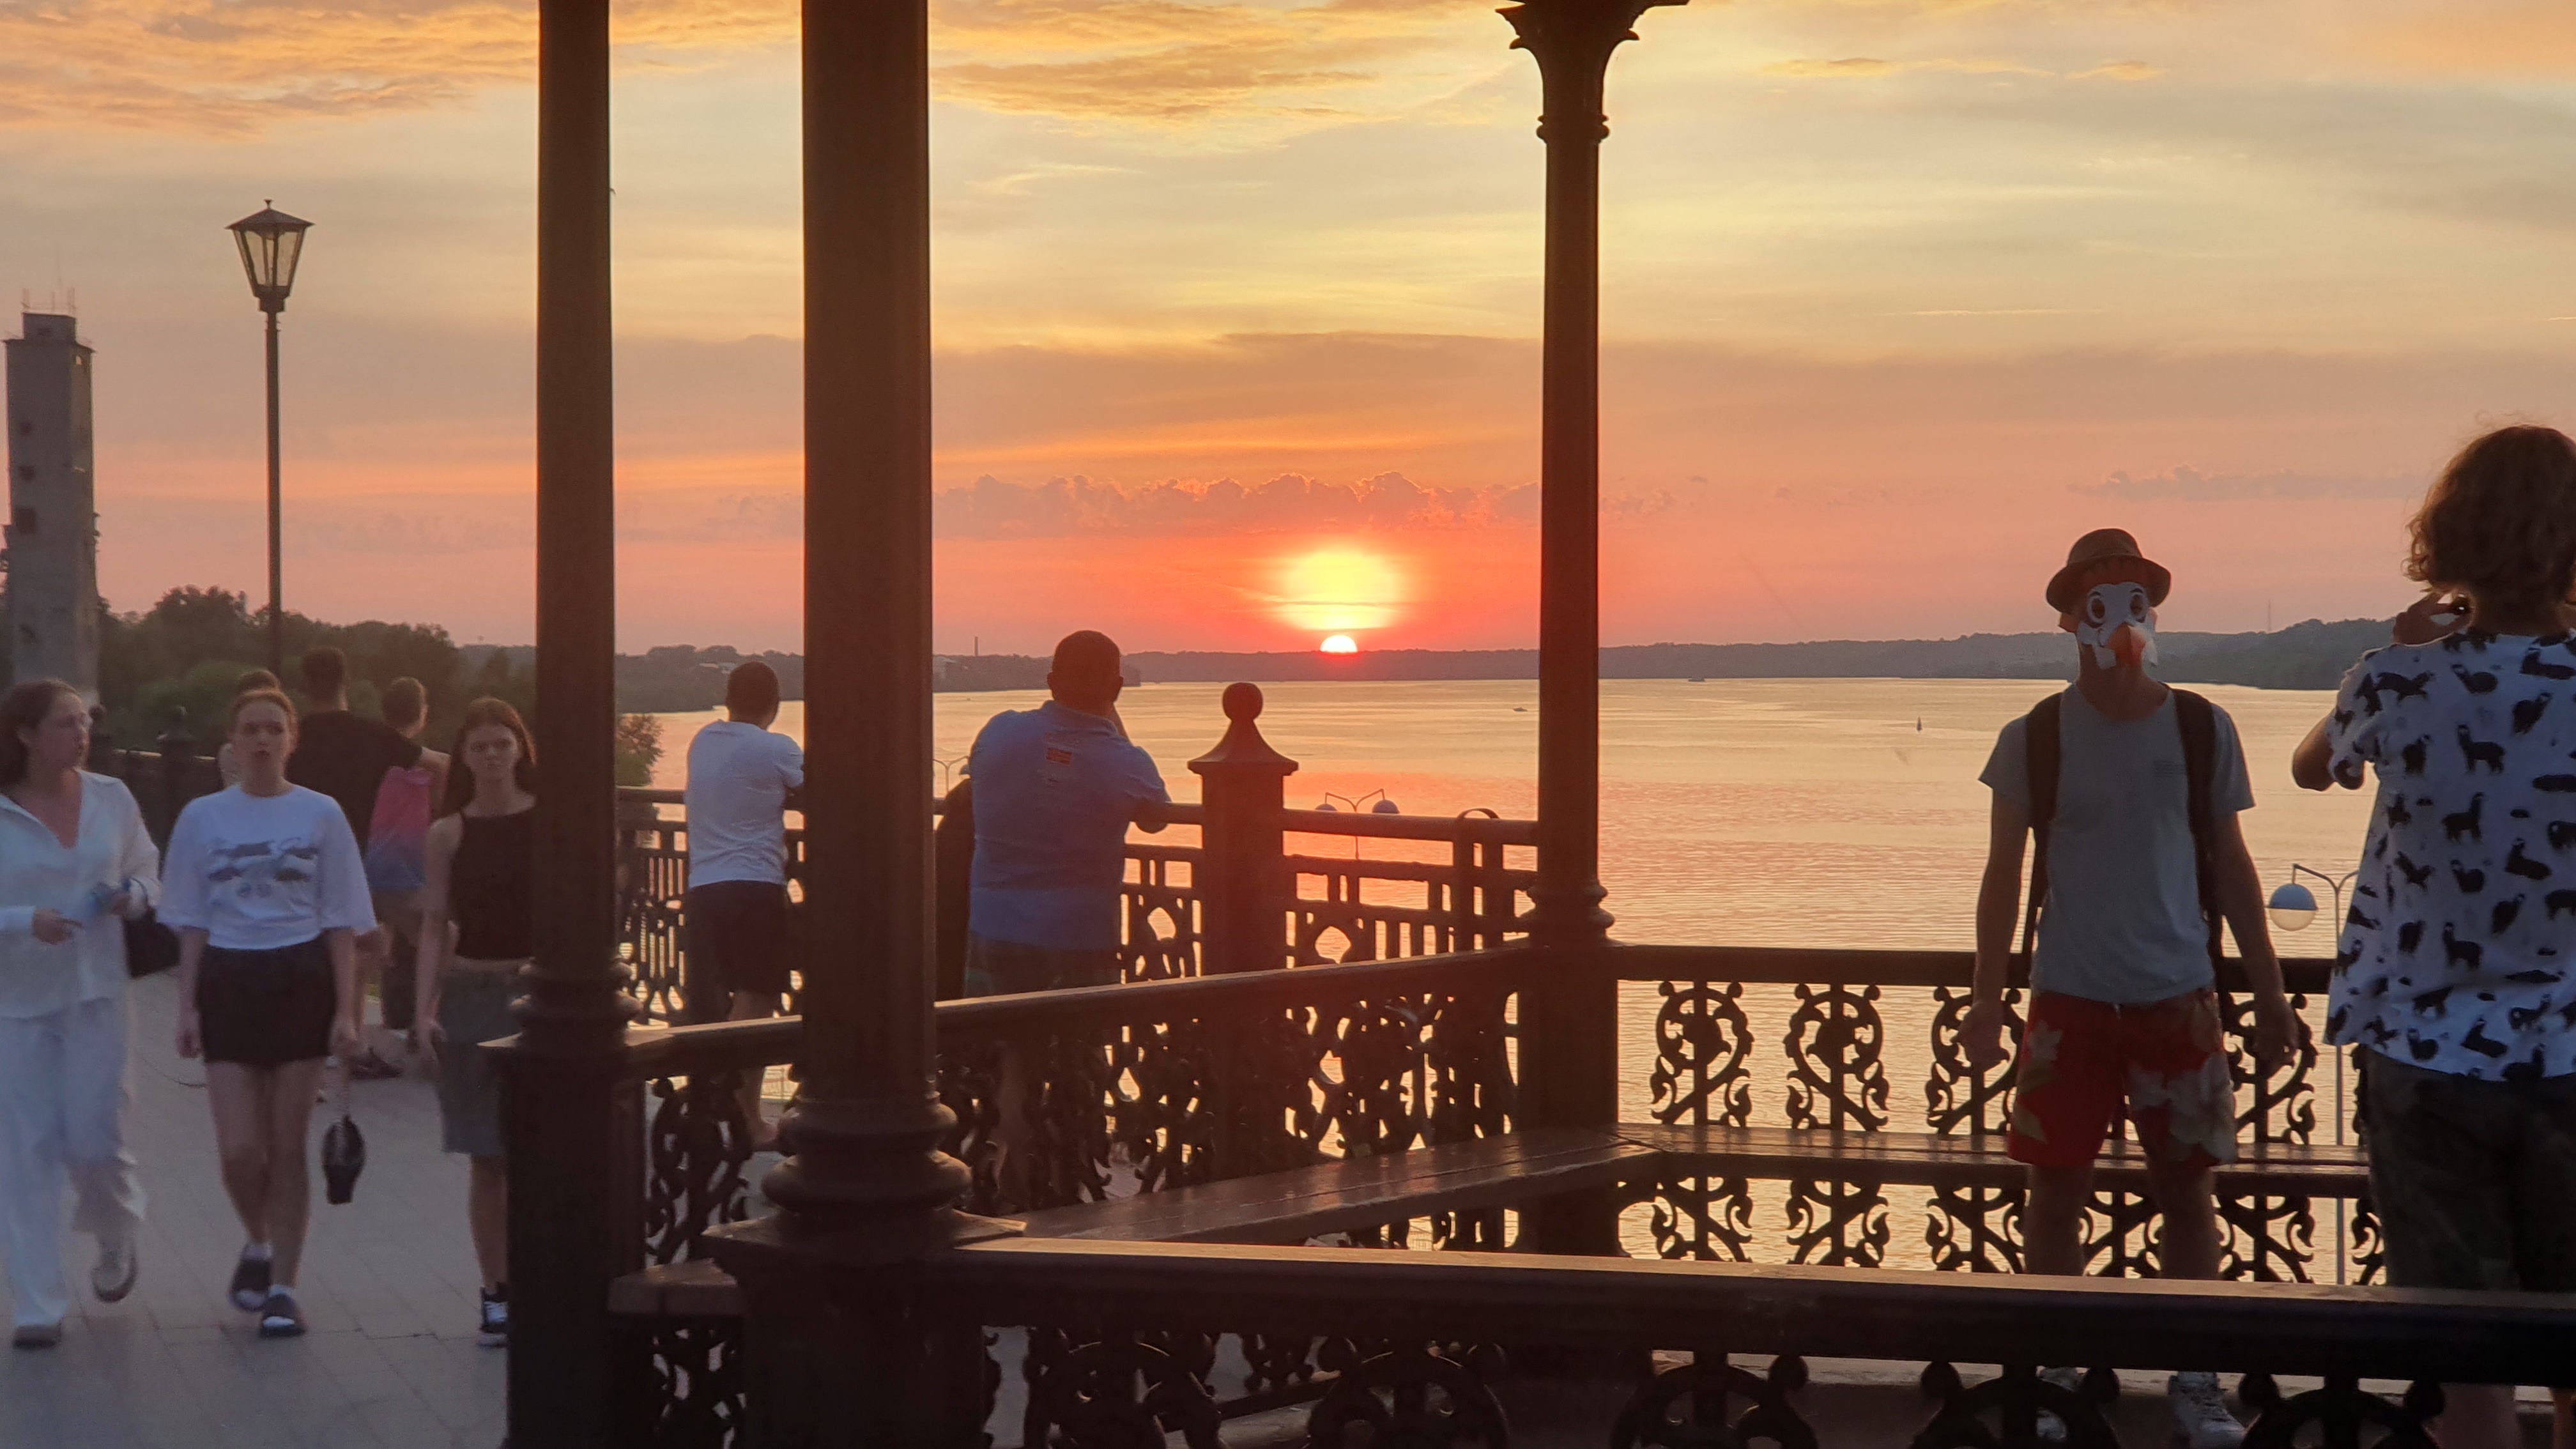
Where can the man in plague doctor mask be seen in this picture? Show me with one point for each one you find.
(2132, 790)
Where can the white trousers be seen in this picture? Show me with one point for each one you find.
(62, 1091)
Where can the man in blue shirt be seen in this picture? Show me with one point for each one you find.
(1055, 789)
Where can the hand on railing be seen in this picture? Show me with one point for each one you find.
(1985, 1036)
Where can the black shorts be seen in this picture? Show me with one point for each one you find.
(266, 1008)
(734, 939)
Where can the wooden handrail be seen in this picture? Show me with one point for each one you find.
(1791, 965)
(1875, 1313)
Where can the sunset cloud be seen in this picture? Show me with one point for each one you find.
(222, 68)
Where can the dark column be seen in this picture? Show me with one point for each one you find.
(575, 1187)
(1570, 1044)
(840, 1350)
(1243, 892)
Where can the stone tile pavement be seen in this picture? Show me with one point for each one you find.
(389, 1287)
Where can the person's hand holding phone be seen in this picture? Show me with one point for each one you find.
(2433, 617)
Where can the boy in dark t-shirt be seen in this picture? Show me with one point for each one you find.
(338, 753)
(346, 757)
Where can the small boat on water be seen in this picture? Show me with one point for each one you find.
(1699, 679)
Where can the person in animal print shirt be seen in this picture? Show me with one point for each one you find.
(2456, 975)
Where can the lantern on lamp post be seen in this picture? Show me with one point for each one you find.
(271, 244)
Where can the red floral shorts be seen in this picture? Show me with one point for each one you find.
(2080, 1059)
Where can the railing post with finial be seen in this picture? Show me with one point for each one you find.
(1241, 876)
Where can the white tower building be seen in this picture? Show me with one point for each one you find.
(53, 507)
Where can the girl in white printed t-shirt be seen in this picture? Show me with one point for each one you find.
(266, 889)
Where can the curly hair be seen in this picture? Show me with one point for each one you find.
(2501, 520)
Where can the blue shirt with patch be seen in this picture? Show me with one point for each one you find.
(1055, 789)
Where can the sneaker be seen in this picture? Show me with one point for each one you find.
(493, 1329)
(250, 1283)
(2201, 1420)
(113, 1275)
(36, 1335)
(281, 1316)
(2051, 1428)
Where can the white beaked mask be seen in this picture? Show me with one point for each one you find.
(2117, 625)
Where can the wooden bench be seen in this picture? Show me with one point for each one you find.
(1353, 1194)
(1359, 1192)
(1924, 1159)
(1275, 1208)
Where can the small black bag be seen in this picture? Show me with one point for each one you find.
(344, 1153)
(150, 947)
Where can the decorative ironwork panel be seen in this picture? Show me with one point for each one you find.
(1708, 1218)
(697, 1146)
(1413, 1395)
(1836, 1075)
(698, 1392)
(2268, 1239)
(2368, 1248)
(1120, 1391)
(1977, 1229)
(1962, 1099)
(1161, 941)
(1686, 1408)
(1837, 1224)
(2120, 1235)
(1703, 1055)
(2283, 1106)
(2015, 1398)
(2340, 1410)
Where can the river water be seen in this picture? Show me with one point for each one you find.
(1815, 812)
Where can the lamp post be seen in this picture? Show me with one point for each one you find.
(2292, 907)
(271, 244)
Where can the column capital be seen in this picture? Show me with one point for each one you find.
(1572, 41)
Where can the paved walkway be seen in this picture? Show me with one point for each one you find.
(389, 1287)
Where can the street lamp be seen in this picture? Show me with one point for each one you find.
(1384, 806)
(271, 244)
(2294, 905)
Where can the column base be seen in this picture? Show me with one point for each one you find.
(842, 1348)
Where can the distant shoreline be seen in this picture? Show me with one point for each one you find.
(2312, 655)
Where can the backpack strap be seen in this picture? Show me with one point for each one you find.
(2040, 750)
(2198, 721)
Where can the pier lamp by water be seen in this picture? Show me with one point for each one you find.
(2293, 906)
(1384, 806)
(271, 244)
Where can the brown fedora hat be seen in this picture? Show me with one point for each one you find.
(2101, 546)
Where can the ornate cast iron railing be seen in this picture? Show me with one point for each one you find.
(1418, 1342)
(1829, 1018)
(1461, 891)
(1130, 1089)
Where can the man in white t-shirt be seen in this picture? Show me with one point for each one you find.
(734, 920)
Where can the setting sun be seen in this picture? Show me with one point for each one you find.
(1340, 588)
(1340, 644)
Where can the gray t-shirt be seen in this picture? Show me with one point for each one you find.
(2123, 922)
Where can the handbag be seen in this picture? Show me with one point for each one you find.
(344, 1153)
(150, 947)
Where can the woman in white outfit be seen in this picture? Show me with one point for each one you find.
(74, 858)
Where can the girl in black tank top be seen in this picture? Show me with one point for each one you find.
(490, 893)
(481, 861)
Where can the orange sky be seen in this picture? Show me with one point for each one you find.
(1898, 297)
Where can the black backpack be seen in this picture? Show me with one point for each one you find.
(2198, 721)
